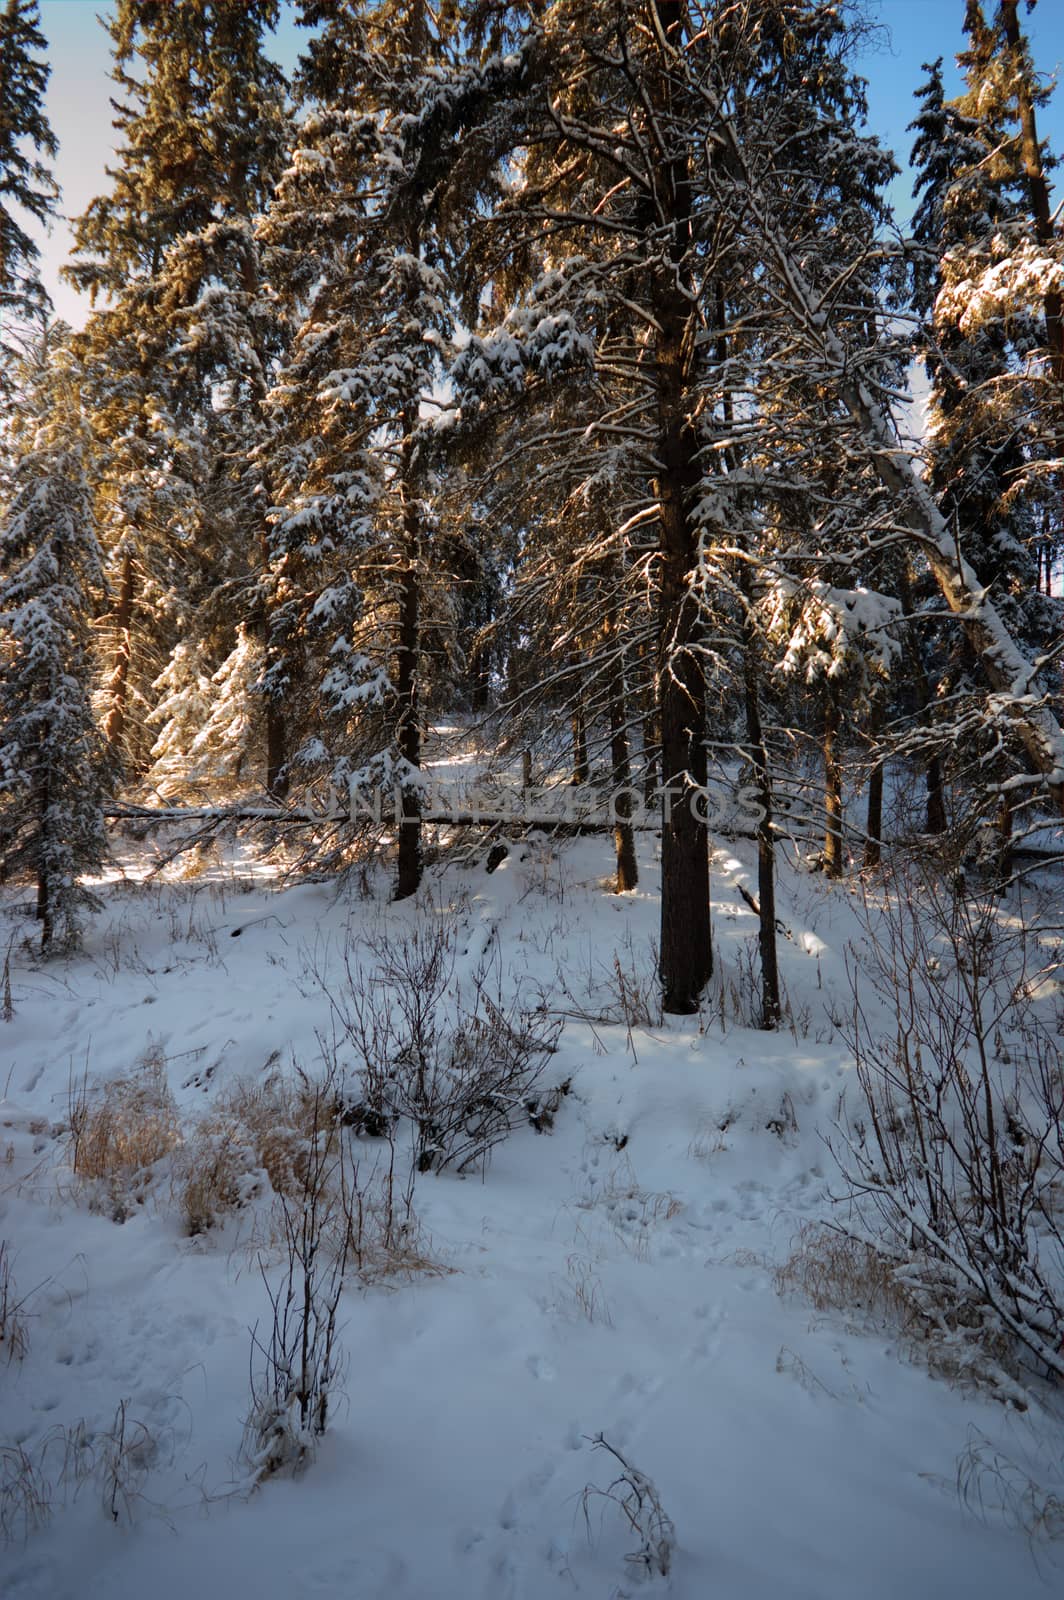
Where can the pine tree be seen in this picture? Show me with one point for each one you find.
(26, 182)
(51, 823)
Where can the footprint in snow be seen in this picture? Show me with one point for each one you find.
(711, 1320)
(628, 1383)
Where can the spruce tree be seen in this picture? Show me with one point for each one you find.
(357, 242)
(179, 349)
(51, 823)
(26, 182)
(639, 254)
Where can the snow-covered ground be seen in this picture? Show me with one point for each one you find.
(613, 1276)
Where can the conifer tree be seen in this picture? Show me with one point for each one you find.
(644, 250)
(179, 350)
(355, 238)
(51, 823)
(26, 182)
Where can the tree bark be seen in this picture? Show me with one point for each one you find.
(757, 754)
(621, 778)
(832, 784)
(686, 953)
(408, 732)
(118, 683)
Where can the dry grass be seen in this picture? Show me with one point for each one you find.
(254, 1128)
(120, 1130)
(269, 1136)
(14, 1339)
(835, 1272)
(25, 1494)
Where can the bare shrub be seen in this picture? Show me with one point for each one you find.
(954, 1156)
(734, 990)
(14, 1338)
(119, 1131)
(461, 1082)
(297, 1369)
(640, 1504)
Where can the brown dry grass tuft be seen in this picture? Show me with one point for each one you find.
(254, 1128)
(836, 1272)
(121, 1129)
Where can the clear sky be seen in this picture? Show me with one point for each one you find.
(914, 31)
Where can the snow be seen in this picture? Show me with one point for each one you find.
(615, 1275)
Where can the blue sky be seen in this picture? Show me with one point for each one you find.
(913, 31)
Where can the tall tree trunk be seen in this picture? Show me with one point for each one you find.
(276, 722)
(832, 784)
(408, 733)
(757, 754)
(936, 802)
(686, 953)
(118, 683)
(621, 777)
(873, 850)
(45, 912)
(581, 768)
(686, 947)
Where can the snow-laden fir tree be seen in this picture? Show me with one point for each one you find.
(359, 244)
(984, 442)
(987, 287)
(639, 131)
(178, 349)
(26, 182)
(184, 701)
(51, 822)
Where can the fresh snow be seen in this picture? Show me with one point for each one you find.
(614, 1276)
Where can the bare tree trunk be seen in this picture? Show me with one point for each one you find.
(621, 778)
(832, 784)
(118, 683)
(686, 953)
(408, 733)
(757, 754)
(581, 768)
(873, 850)
(45, 911)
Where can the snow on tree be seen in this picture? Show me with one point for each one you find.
(26, 181)
(51, 823)
(183, 335)
(184, 708)
(359, 244)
